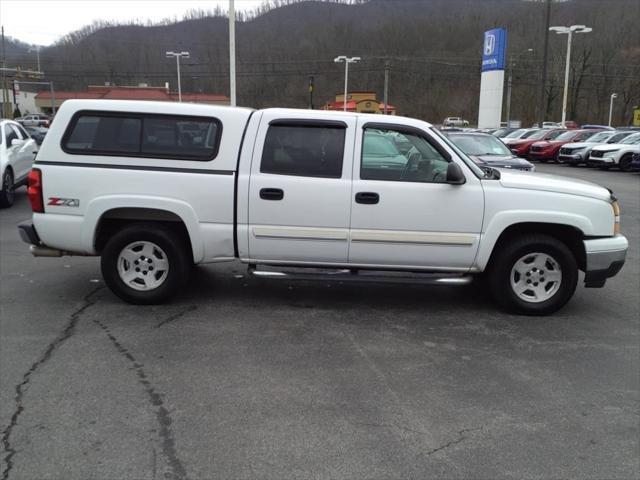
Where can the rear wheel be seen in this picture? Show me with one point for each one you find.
(7, 193)
(145, 263)
(533, 275)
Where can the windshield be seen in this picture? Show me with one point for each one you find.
(529, 134)
(516, 133)
(566, 136)
(617, 137)
(631, 139)
(480, 145)
(601, 137)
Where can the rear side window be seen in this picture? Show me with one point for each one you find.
(304, 150)
(141, 135)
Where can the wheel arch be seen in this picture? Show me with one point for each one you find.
(572, 236)
(104, 217)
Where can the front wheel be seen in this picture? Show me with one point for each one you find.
(145, 263)
(533, 275)
(7, 193)
(625, 163)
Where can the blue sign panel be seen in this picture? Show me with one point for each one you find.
(493, 49)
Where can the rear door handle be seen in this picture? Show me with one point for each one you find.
(271, 194)
(367, 198)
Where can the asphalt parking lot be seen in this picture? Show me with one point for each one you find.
(247, 378)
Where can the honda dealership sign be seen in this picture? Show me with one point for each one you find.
(494, 46)
(495, 43)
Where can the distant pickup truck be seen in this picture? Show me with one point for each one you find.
(154, 187)
(34, 121)
(455, 122)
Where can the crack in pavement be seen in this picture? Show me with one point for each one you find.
(454, 442)
(176, 316)
(20, 389)
(163, 417)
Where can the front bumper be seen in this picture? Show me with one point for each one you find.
(604, 259)
(571, 158)
(598, 161)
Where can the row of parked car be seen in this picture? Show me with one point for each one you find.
(595, 146)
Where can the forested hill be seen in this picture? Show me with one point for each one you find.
(433, 47)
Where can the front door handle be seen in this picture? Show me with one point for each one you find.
(367, 198)
(271, 194)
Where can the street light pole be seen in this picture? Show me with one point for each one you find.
(569, 31)
(178, 55)
(347, 61)
(613, 97)
(37, 50)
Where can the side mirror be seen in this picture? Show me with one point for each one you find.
(455, 175)
(16, 141)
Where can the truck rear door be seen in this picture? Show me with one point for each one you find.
(300, 189)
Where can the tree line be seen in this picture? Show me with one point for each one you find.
(433, 49)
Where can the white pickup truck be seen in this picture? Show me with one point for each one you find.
(154, 188)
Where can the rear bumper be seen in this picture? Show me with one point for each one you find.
(604, 259)
(28, 234)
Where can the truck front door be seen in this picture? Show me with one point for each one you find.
(403, 213)
(300, 189)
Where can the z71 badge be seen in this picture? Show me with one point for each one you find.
(64, 202)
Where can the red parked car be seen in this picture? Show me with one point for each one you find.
(548, 149)
(521, 146)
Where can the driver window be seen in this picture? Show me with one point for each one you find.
(400, 156)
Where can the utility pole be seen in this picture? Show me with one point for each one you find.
(512, 64)
(543, 79)
(387, 66)
(310, 92)
(3, 85)
(232, 53)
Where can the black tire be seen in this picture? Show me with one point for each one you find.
(7, 191)
(625, 163)
(504, 260)
(172, 249)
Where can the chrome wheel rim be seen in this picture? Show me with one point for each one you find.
(143, 266)
(7, 186)
(536, 277)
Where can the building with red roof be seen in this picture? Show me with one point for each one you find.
(361, 102)
(44, 100)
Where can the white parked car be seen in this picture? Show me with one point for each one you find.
(455, 122)
(154, 187)
(578, 152)
(17, 152)
(617, 154)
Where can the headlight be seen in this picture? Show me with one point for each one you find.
(616, 217)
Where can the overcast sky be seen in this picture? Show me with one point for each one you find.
(42, 22)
